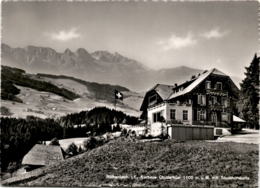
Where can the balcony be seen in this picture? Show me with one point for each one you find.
(216, 124)
(215, 92)
(216, 107)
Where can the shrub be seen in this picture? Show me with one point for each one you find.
(132, 134)
(72, 149)
(124, 132)
(54, 142)
(164, 136)
(90, 143)
(5, 111)
(80, 150)
(93, 142)
(116, 128)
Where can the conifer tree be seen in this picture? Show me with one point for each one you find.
(249, 96)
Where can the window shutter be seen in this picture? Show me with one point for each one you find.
(203, 99)
(199, 99)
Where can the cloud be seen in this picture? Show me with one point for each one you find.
(177, 42)
(64, 35)
(214, 34)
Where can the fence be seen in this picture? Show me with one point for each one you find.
(190, 132)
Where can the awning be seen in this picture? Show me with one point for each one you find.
(237, 119)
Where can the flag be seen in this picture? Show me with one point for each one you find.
(118, 95)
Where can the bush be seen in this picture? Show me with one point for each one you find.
(80, 150)
(72, 149)
(93, 142)
(164, 136)
(124, 132)
(54, 142)
(90, 143)
(116, 128)
(5, 111)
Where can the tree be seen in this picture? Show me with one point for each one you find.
(54, 142)
(72, 149)
(248, 102)
(90, 143)
(20, 135)
(5, 111)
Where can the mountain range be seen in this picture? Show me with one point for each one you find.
(42, 82)
(99, 66)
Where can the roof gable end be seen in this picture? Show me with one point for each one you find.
(196, 82)
(43, 155)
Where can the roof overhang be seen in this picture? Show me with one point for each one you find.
(237, 119)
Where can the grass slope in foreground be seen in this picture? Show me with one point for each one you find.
(168, 158)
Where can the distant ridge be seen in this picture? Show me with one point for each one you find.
(99, 66)
(12, 76)
(49, 96)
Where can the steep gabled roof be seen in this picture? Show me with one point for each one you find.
(42, 155)
(188, 89)
(198, 80)
(218, 72)
(167, 92)
(164, 90)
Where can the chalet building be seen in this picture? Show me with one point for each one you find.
(42, 155)
(207, 99)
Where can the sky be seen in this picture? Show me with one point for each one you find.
(161, 34)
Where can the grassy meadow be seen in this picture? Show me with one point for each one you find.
(132, 163)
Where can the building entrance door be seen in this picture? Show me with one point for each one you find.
(214, 118)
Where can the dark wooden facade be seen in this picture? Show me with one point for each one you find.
(218, 101)
(212, 99)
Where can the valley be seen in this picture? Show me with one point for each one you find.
(50, 105)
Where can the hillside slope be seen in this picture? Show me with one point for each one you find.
(123, 158)
(13, 76)
(84, 88)
(33, 95)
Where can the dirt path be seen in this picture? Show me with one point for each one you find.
(248, 136)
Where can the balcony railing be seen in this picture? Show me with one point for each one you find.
(216, 92)
(217, 106)
(216, 124)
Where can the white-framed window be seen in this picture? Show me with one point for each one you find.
(208, 84)
(224, 116)
(214, 117)
(219, 86)
(202, 99)
(201, 115)
(224, 102)
(157, 116)
(173, 114)
(185, 115)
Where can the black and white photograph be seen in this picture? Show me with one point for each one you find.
(130, 93)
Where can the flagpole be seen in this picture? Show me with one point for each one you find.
(115, 103)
